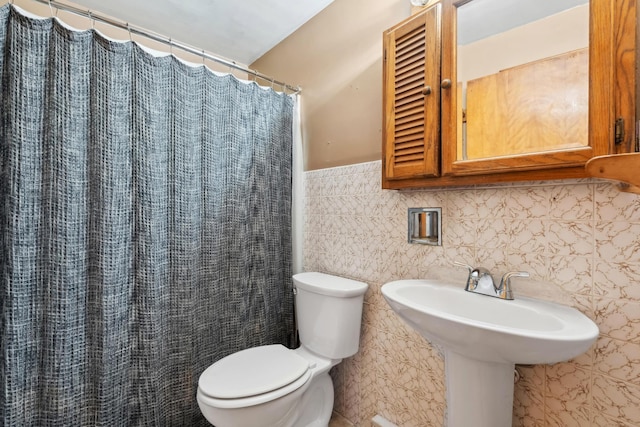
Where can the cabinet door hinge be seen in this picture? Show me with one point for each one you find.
(619, 130)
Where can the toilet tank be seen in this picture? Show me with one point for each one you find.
(329, 313)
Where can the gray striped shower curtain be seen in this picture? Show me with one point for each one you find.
(145, 227)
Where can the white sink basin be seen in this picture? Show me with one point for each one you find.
(520, 331)
(483, 338)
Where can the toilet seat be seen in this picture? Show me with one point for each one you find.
(253, 376)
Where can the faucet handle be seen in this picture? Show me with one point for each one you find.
(462, 264)
(472, 280)
(504, 290)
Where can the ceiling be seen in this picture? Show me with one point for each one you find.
(240, 30)
(244, 30)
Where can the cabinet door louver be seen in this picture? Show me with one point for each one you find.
(412, 117)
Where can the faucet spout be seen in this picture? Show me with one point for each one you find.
(504, 291)
(483, 282)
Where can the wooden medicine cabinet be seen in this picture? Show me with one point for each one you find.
(482, 91)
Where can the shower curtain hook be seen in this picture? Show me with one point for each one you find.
(203, 57)
(129, 30)
(93, 21)
(273, 82)
(50, 8)
(170, 46)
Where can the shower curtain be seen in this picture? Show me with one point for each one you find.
(145, 227)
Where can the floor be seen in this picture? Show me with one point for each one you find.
(339, 421)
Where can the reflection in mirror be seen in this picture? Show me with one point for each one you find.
(425, 226)
(523, 77)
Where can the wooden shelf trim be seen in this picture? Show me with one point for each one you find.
(618, 167)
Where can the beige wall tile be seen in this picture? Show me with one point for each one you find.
(572, 273)
(617, 318)
(618, 241)
(614, 205)
(528, 399)
(529, 236)
(570, 238)
(571, 203)
(618, 359)
(568, 389)
(528, 203)
(603, 421)
(579, 240)
(616, 399)
(492, 203)
(617, 279)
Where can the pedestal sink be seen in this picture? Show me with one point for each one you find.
(483, 338)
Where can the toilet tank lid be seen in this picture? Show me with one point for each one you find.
(326, 284)
(252, 372)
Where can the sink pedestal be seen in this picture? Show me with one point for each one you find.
(483, 338)
(479, 393)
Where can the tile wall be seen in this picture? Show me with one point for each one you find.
(579, 240)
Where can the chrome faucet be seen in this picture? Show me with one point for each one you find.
(481, 281)
(504, 290)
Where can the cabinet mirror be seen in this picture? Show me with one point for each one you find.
(523, 77)
(485, 91)
(530, 85)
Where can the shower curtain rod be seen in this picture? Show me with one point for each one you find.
(166, 40)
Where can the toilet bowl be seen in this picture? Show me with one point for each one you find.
(279, 387)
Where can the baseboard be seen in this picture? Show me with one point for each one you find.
(379, 421)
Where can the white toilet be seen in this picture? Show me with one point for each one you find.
(273, 386)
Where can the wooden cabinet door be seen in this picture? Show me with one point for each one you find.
(411, 98)
(421, 133)
(595, 117)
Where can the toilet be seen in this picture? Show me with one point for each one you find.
(273, 386)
